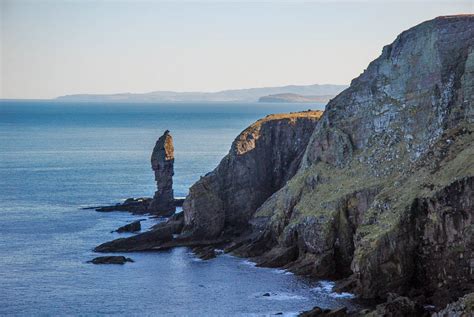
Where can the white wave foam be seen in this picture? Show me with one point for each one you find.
(326, 287)
(283, 297)
(342, 295)
(249, 263)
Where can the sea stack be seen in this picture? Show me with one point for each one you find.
(162, 163)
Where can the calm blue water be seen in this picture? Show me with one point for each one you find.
(56, 158)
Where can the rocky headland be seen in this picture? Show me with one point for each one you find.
(220, 205)
(261, 160)
(377, 192)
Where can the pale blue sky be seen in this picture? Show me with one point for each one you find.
(51, 48)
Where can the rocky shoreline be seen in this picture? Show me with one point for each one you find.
(376, 193)
(136, 206)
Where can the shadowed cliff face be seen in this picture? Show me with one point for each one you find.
(261, 160)
(401, 134)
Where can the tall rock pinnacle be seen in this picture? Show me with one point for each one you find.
(162, 163)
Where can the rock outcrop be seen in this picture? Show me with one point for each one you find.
(137, 206)
(162, 163)
(261, 160)
(463, 307)
(134, 205)
(140, 242)
(112, 259)
(320, 312)
(205, 252)
(130, 227)
(397, 306)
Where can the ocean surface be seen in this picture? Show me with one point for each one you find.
(56, 158)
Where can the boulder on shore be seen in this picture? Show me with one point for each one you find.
(321, 312)
(398, 306)
(131, 227)
(205, 252)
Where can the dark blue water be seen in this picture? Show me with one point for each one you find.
(56, 158)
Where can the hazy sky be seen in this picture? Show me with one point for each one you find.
(51, 48)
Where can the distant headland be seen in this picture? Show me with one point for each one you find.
(296, 98)
(308, 93)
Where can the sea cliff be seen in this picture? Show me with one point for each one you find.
(385, 192)
(261, 160)
(376, 192)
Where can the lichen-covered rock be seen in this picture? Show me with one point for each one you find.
(463, 307)
(384, 192)
(261, 160)
(397, 306)
(162, 163)
(444, 232)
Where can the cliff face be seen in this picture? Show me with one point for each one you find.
(378, 190)
(162, 163)
(261, 160)
(385, 194)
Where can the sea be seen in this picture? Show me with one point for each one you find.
(57, 158)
